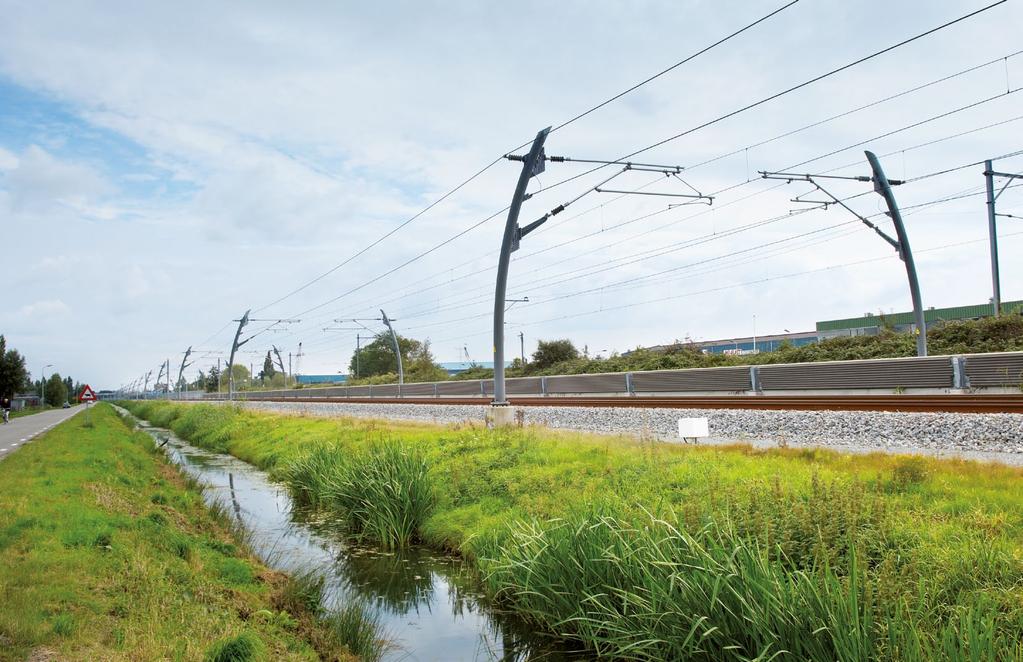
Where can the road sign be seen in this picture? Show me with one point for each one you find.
(87, 394)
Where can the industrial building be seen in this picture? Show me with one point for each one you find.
(869, 324)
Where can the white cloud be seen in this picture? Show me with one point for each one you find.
(41, 310)
(57, 263)
(40, 181)
(8, 161)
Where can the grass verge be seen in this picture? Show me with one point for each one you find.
(108, 553)
(652, 551)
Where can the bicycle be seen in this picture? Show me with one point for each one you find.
(7, 416)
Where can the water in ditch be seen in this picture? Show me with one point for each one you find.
(430, 605)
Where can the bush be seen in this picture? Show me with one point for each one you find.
(242, 648)
(550, 352)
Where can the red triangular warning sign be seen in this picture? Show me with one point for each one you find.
(87, 394)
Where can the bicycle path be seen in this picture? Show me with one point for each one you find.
(21, 431)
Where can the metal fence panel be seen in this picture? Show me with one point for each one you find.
(516, 386)
(1002, 369)
(418, 390)
(468, 387)
(696, 379)
(602, 383)
(927, 372)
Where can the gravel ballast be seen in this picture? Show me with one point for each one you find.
(997, 437)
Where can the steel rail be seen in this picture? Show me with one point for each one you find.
(961, 403)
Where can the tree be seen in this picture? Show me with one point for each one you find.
(56, 390)
(550, 352)
(422, 367)
(213, 380)
(377, 358)
(242, 377)
(268, 371)
(69, 385)
(13, 374)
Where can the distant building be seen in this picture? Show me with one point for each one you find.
(321, 379)
(871, 324)
(22, 400)
(455, 367)
(744, 345)
(751, 345)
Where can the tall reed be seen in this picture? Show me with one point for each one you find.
(383, 491)
(653, 591)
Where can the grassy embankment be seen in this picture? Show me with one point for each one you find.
(107, 552)
(650, 551)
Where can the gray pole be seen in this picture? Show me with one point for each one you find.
(358, 350)
(522, 347)
(397, 349)
(218, 374)
(508, 243)
(181, 370)
(992, 228)
(882, 186)
(234, 348)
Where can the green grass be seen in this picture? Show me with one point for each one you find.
(357, 628)
(383, 489)
(108, 553)
(654, 551)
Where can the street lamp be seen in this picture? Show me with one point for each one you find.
(42, 385)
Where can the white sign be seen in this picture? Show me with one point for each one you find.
(693, 428)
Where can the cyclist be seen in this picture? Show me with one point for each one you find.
(6, 406)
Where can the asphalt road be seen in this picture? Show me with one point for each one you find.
(22, 430)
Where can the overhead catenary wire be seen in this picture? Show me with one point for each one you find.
(598, 249)
(676, 136)
(777, 95)
(487, 167)
(962, 18)
(760, 281)
(636, 279)
(849, 198)
(805, 162)
(916, 124)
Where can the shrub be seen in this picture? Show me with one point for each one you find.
(242, 648)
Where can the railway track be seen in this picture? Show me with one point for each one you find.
(966, 403)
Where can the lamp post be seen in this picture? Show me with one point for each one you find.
(42, 385)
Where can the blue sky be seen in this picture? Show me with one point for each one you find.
(165, 168)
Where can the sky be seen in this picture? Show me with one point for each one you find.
(165, 167)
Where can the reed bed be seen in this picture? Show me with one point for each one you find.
(383, 491)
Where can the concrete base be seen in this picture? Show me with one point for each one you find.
(503, 416)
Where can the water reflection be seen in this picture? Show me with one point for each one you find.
(430, 605)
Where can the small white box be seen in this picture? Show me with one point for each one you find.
(693, 428)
